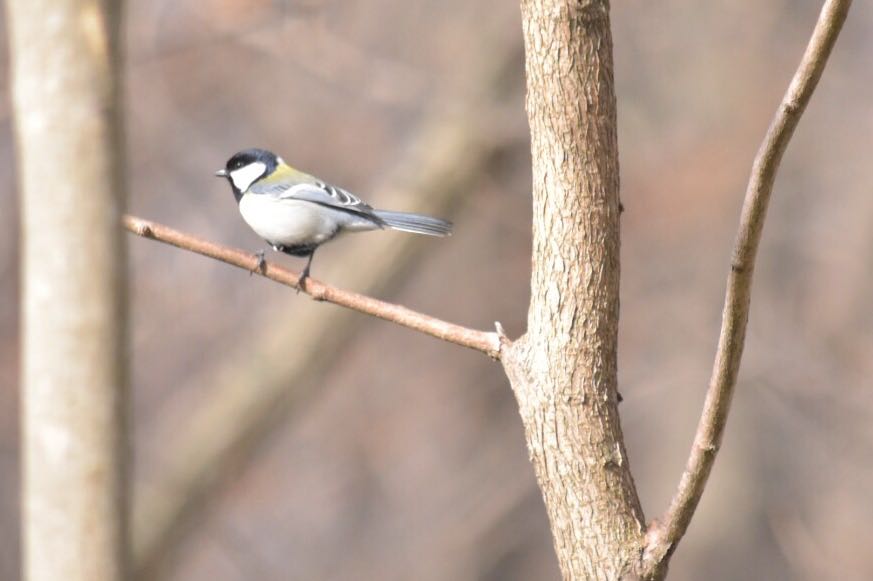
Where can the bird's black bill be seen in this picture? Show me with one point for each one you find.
(222, 173)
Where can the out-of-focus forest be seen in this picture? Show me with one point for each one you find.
(378, 453)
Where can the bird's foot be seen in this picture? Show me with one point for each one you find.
(301, 281)
(261, 266)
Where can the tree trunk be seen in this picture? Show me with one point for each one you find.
(563, 370)
(64, 59)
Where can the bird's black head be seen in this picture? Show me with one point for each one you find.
(250, 156)
(246, 167)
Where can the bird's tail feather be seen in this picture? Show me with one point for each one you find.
(415, 223)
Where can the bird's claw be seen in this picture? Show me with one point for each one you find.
(261, 266)
(301, 281)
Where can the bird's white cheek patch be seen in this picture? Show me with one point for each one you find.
(245, 176)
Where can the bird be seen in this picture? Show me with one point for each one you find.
(295, 213)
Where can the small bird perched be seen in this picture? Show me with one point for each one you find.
(296, 213)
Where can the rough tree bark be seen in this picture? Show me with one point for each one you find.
(563, 370)
(67, 127)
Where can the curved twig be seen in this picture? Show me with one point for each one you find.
(486, 342)
(664, 534)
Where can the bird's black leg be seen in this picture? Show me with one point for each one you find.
(305, 274)
(261, 266)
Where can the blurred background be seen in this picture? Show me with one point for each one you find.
(279, 438)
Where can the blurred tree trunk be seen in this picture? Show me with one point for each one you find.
(563, 370)
(65, 73)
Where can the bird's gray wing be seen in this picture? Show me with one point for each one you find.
(318, 193)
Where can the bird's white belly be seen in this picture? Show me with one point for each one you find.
(286, 222)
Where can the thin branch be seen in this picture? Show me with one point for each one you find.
(665, 535)
(486, 342)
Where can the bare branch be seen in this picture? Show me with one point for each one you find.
(488, 343)
(664, 535)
